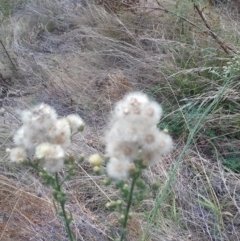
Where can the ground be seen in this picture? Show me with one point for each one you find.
(82, 57)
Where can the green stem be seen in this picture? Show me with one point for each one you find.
(64, 214)
(124, 225)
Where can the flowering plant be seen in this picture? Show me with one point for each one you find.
(133, 142)
(41, 142)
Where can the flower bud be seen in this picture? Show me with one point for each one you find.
(122, 218)
(108, 205)
(95, 160)
(107, 181)
(97, 170)
(165, 130)
(81, 158)
(155, 186)
(118, 202)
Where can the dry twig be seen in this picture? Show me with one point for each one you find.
(8, 55)
(227, 49)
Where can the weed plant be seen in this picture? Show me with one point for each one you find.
(133, 143)
(45, 137)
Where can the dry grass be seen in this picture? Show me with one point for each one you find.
(81, 58)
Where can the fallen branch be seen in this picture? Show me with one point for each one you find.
(227, 49)
(162, 8)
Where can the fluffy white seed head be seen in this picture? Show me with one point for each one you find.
(17, 154)
(49, 151)
(134, 127)
(122, 130)
(153, 139)
(20, 136)
(122, 149)
(165, 143)
(28, 137)
(45, 135)
(52, 155)
(40, 117)
(118, 169)
(162, 145)
(152, 112)
(53, 165)
(138, 107)
(60, 133)
(26, 116)
(76, 122)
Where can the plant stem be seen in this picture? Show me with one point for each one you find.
(64, 214)
(124, 225)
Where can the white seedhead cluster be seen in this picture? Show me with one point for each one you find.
(133, 134)
(43, 134)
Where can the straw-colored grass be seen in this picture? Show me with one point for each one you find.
(81, 57)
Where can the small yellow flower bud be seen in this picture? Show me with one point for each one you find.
(165, 130)
(118, 202)
(107, 181)
(106, 158)
(144, 164)
(122, 218)
(132, 168)
(95, 160)
(155, 186)
(69, 218)
(81, 158)
(111, 204)
(108, 205)
(97, 170)
(81, 128)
